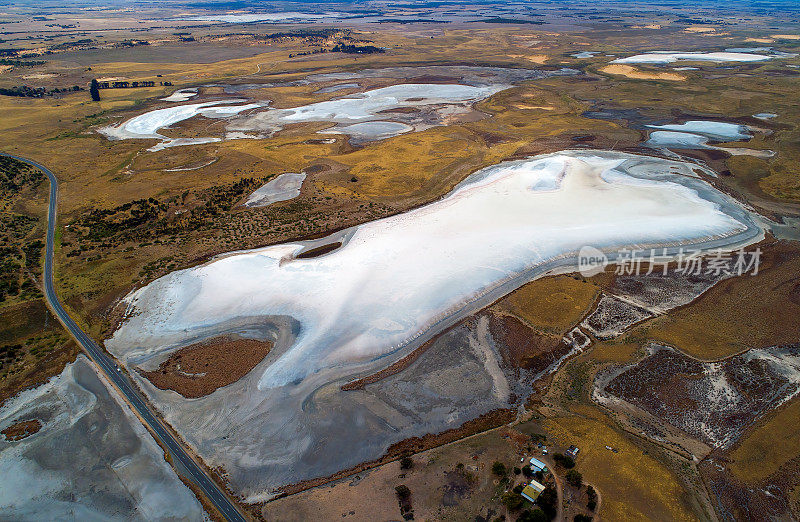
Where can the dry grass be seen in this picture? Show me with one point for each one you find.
(636, 74)
(611, 351)
(44, 347)
(552, 304)
(738, 313)
(634, 485)
(769, 446)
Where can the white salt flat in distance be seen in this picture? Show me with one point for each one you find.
(661, 57)
(712, 129)
(146, 125)
(366, 106)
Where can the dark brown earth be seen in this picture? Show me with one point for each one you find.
(319, 251)
(199, 369)
(523, 347)
(672, 387)
(794, 294)
(740, 501)
(400, 110)
(21, 430)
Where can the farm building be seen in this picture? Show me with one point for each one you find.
(538, 465)
(572, 451)
(532, 491)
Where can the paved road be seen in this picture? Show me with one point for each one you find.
(190, 468)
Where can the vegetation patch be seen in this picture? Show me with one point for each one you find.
(751, 311)
(199, 369)
(21, 430)
(551, 304)
(20, 243)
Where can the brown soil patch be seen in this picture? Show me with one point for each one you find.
(483, 423)
(535, 58)
(400, 110)
(636, 74)
(199, 369)
(319, 251)
(21, 430)
(680, 390)
(523, 347)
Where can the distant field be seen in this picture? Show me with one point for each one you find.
(185, 53)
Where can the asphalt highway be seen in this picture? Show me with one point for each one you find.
(187, 466)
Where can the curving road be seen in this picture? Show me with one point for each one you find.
(189, 468)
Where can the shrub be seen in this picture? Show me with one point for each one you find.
(575, 478)
(499, 469)
(582, 518)
(513, 501)
(537, 515)
(402, 491)
(592, 494)
(406, 463)
(548, 500)
(564, 460)
(94, 90)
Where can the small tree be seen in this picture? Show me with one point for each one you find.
(402, 491)
(564, 460)
(499, 469)
(547, 501)
(517, 471)
(575, 478)
(537, 515)
(582, 518)
(406, 463)
(592, 494)
(513, 501)
(527, 471)
(94, 90)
